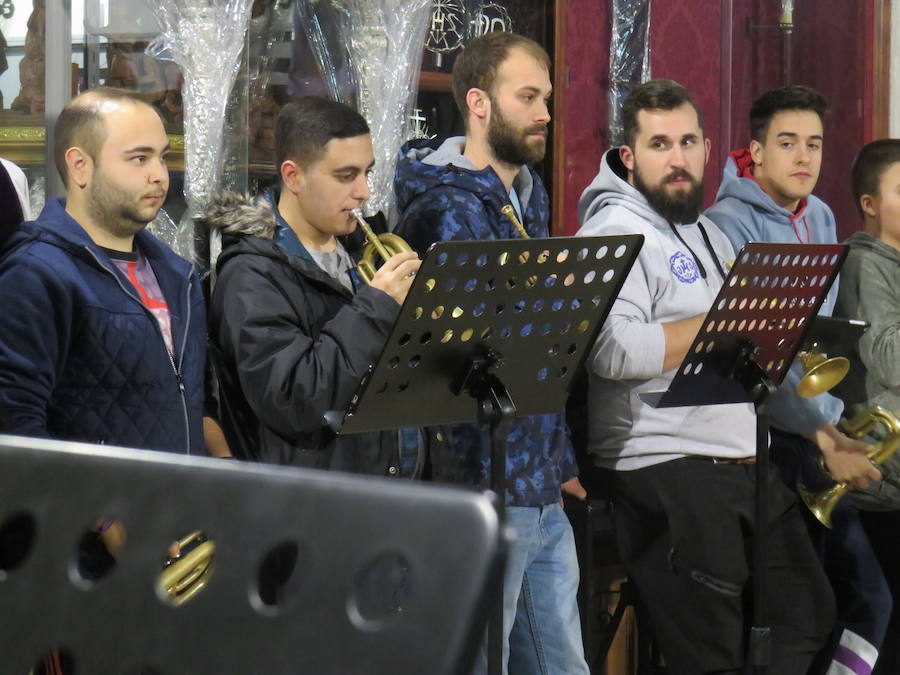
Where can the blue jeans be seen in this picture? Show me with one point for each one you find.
(540, 611)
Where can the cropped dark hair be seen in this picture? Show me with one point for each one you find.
(870, 164)
(81, 125)
(476, 67)
(306, 124)
(792, 97)
(658, 94)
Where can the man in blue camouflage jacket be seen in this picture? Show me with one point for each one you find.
(456, 190)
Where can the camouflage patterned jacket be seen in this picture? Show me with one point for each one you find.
(440, 196)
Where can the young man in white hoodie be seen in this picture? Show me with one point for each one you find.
(766, 195)
(682, 478)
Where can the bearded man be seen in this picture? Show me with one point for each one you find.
(103, 337)
(682, 479)
(456, 190)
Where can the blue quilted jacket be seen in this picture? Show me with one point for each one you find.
(441, 197)
(81, 358)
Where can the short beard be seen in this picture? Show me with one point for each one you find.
(682, 207)
(509, 144)
(112, 209)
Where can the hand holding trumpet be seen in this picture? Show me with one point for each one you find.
(846, 458)
(396, 274)
(400, 264)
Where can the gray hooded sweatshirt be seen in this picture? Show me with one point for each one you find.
(870, 290)
(664, 285)
(745, 213)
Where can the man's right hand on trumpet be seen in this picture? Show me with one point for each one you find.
(395, 276)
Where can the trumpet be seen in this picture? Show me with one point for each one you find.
(384, 245)
(510, 213)
(819, 372)
(187, 573)
(822, 503)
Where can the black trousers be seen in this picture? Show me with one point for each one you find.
(684, 530)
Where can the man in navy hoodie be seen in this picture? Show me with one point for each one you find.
(103, 336)
(456, 190)
(766, 195)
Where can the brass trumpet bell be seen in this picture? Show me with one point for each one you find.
(822, 503)
(819, 372)
(187, 574)
(381, 246)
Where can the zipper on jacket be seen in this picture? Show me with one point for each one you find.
(179, 379)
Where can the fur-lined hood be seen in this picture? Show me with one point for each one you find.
(238, 214)
(251, 226)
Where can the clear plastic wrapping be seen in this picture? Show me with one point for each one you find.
(629, 57)
(205, 38)
(383, 40)
(787, 14)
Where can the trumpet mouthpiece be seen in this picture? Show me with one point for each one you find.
(358, 214)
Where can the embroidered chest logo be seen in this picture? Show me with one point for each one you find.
(684, 269)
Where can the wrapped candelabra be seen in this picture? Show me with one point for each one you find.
(629, 57)
(205, 39)
(383, 40)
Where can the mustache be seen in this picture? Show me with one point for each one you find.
(679, 174)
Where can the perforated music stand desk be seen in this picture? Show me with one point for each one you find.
(436, 549)
(491, 330)
(537, 304)
(756, 326)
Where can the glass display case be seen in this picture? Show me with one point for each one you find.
(292, 47)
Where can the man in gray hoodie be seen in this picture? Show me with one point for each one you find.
(766, 195)
(682, 478)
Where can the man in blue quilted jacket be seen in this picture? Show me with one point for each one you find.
(103, 335)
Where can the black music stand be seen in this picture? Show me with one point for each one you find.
(836, 335)
(436, 548)
(756, 326)
(492, 330)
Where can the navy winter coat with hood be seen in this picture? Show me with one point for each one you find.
(441, 197)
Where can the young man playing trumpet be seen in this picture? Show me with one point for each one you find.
(292, 326)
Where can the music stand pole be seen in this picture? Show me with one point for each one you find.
(760, 648)
(759, 388)
(496, 413)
